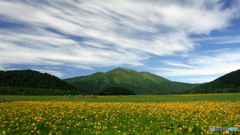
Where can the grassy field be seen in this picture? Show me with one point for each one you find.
(135, 98)
(129, 115)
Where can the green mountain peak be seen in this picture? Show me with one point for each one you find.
(139, 82)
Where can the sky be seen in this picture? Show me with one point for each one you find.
(192, 41)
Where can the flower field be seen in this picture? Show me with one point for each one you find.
(129, 118)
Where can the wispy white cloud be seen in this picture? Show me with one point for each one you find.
(52, 72)
(200, 79)
(93, 33)
(219, 40)
(229, 40)
(217, 64)
(2, 68)
(219, 50)
(176, 64)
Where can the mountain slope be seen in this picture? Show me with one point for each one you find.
(31, 82)
(226, 83)
(138, 82)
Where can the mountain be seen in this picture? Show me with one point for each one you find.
(226, 83)
(138, 82)
(30, 82)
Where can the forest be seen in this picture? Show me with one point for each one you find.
(30, 82)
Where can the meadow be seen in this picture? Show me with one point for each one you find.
(129, 115)
(135, 98)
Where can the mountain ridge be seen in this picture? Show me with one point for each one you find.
(229, 82)
(139, 82)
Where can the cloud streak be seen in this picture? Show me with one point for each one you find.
(89, 34)
(52, 72)
(176, 64)
(222, 62)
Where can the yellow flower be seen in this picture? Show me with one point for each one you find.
(3, 132)
(226, 132)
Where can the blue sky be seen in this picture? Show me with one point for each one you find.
(191, 41)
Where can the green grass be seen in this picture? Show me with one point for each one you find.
(136, 98)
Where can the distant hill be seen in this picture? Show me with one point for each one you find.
(116, 91)
(226, 83)
(30, 82)
(138, 82)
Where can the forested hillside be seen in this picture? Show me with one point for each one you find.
(30, 82)
(227, 83)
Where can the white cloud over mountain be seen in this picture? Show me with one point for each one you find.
(217, 63)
